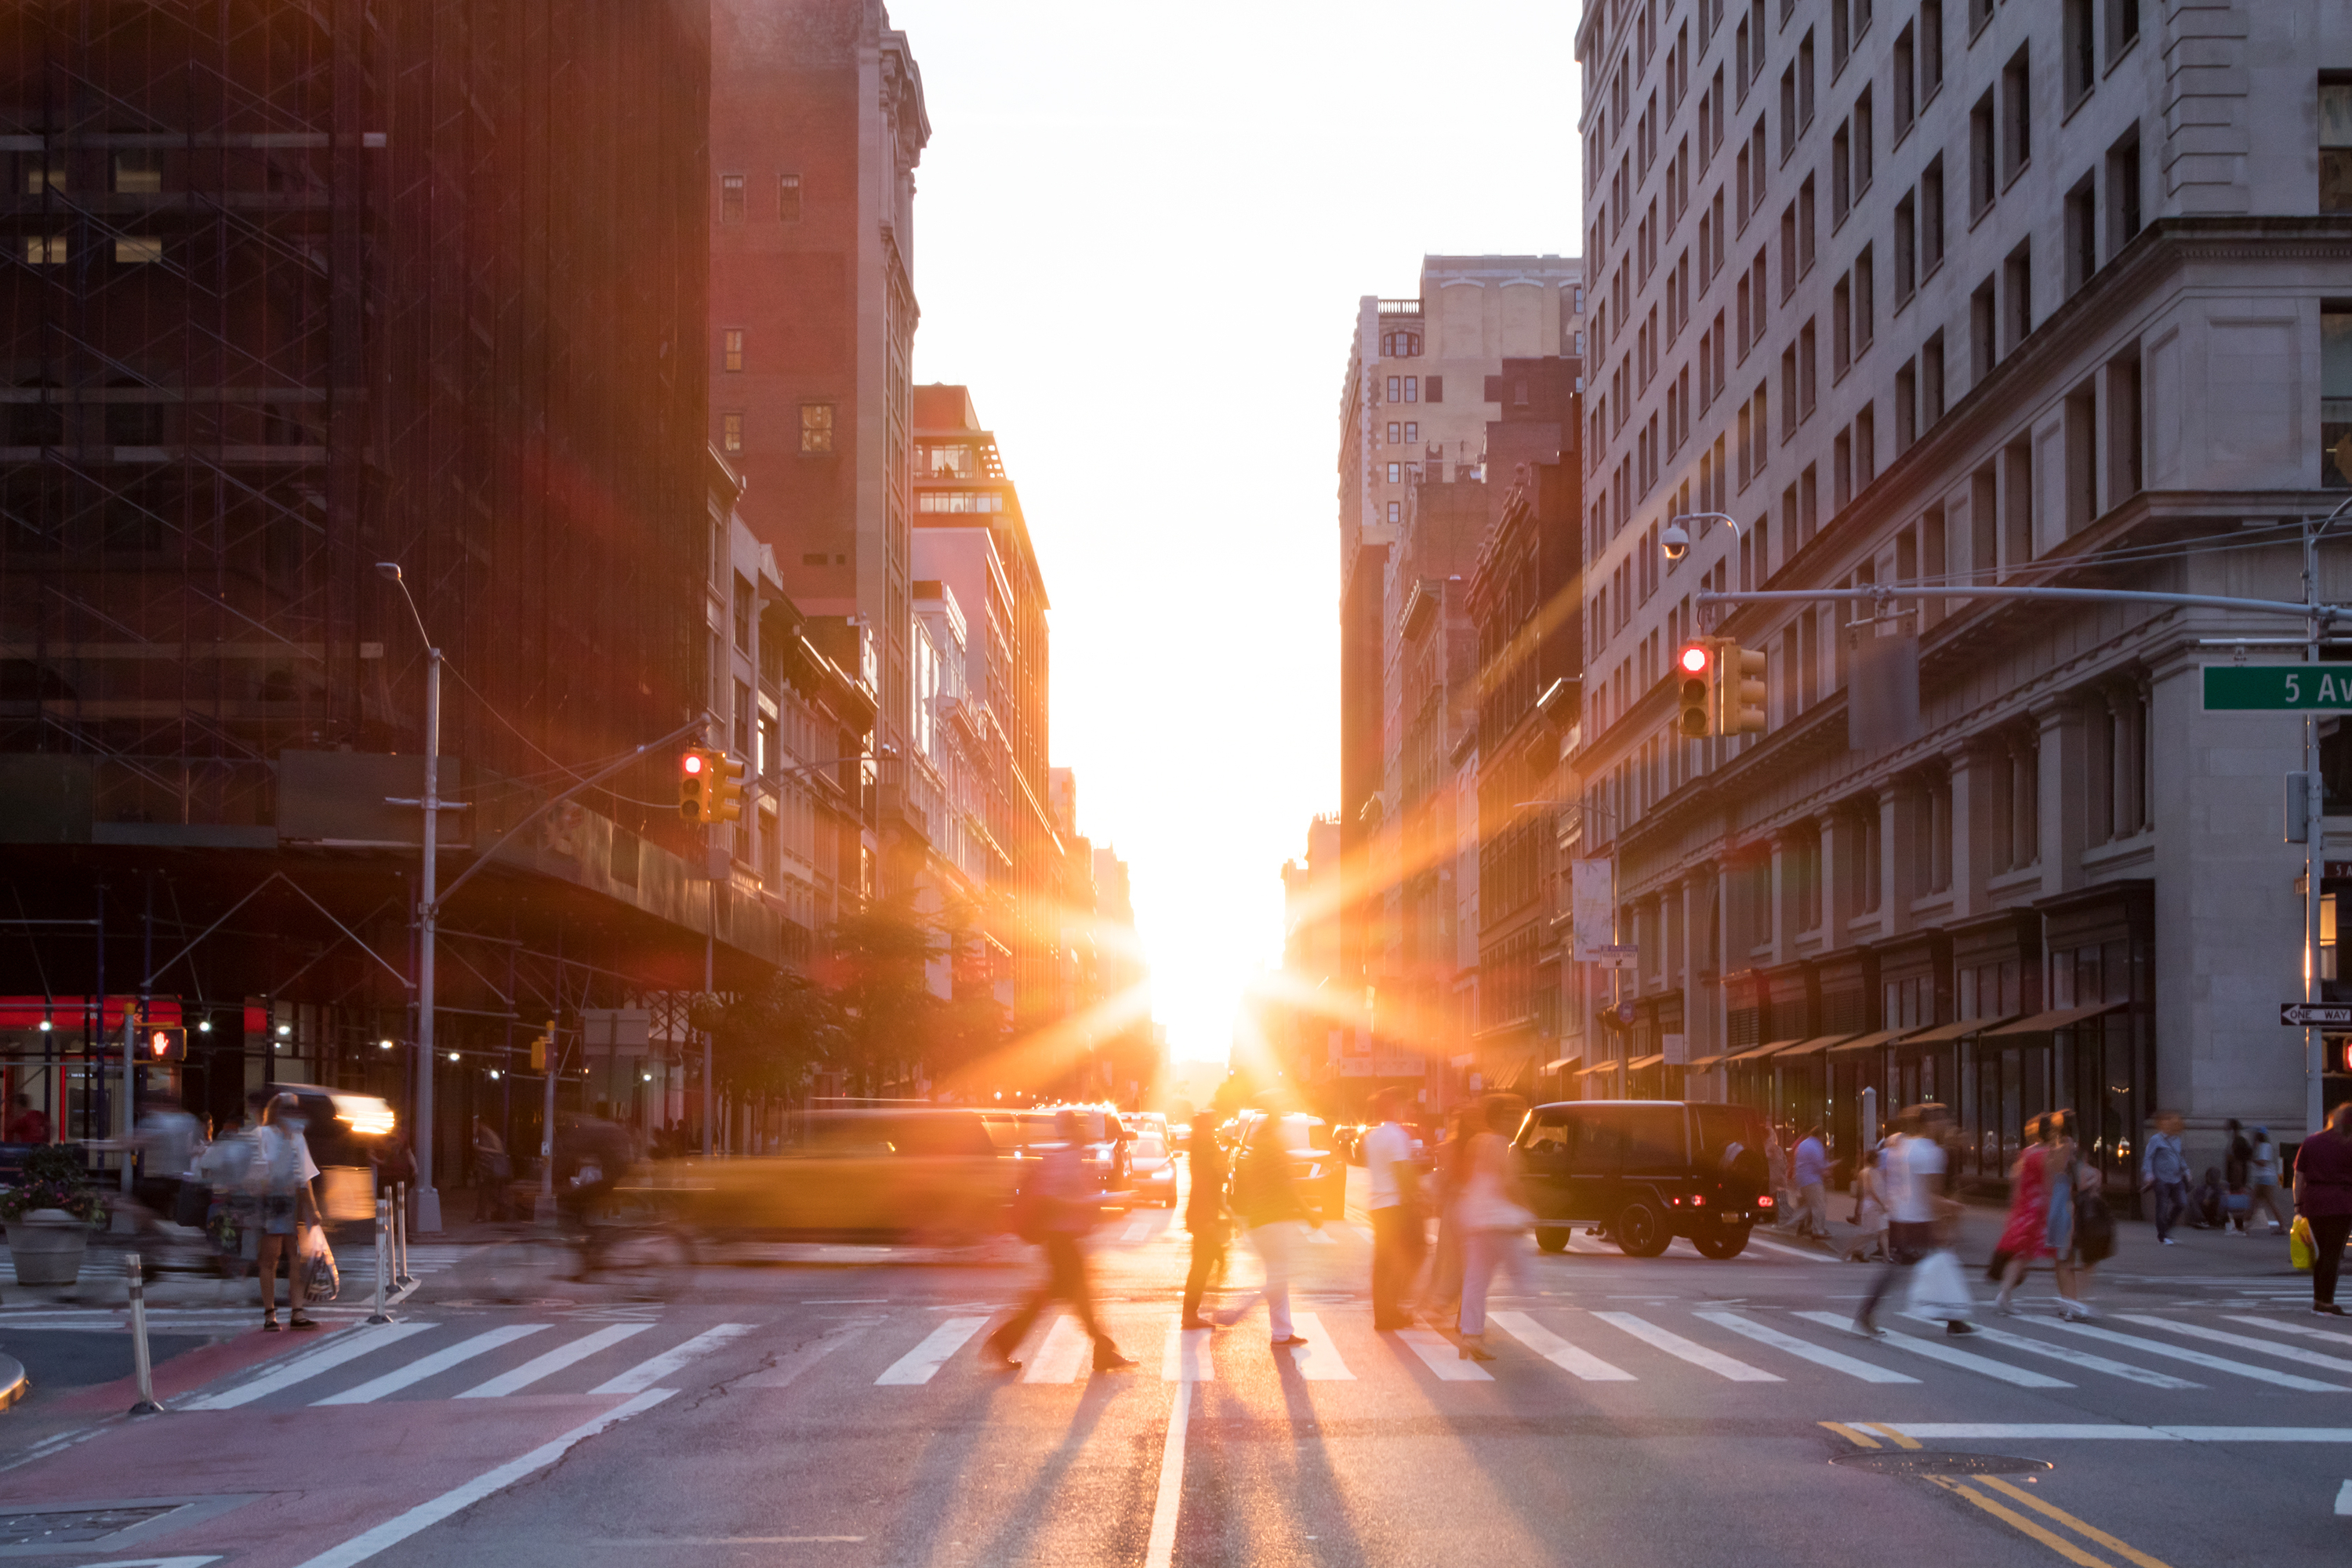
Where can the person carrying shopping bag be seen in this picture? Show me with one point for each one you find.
(1493, 1216)
(285, 1172)
(2323, 1202)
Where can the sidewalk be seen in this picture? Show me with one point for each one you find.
(2197, 1255)
(105, 1282)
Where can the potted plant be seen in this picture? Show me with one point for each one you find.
(49, 1215)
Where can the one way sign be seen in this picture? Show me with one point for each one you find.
(2304, 1015)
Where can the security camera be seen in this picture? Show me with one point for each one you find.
(1674, 540)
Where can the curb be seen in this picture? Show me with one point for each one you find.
(14, 1384)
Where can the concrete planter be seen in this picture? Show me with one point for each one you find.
(46, 1247)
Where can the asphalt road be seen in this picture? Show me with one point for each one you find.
(828, 1405)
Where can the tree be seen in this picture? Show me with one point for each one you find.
(766, 1043)
(881, 958)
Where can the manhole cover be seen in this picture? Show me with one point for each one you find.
(43, 1527)
(1923, 1462)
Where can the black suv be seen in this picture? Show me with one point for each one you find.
(1646, 1170)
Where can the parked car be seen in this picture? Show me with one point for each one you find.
(1644, 1172)
(1151, 1169)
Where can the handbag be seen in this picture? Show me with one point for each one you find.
(2300, 1250)
(1938, 1291)
(326, 1281)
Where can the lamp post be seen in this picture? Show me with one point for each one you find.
(427, 1218)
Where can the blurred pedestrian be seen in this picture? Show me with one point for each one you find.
(1266, 1200)
(229, 1169)
(1911, 1167)
(1204, 1213)
(2024, 1240)
(1443, 1289)
(1063, 1205)
(2164, 1174)
(2323, 1196)
(27, 1124)
(1869, 1212)
(1809, 1169)
(1495, 1217)
(2237, 1165)
(492, 1173)
(2262, 1182)
(1400, 1232)
(288, 1205)
(167, 1149)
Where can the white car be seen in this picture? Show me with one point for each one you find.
(1152, 1170)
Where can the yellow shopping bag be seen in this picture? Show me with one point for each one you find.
(2299, 1248)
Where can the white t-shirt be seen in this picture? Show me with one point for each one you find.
(287, 1155)
(1383, 1146)
(1907, 1172)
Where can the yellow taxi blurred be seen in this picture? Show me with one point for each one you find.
(932, 1175)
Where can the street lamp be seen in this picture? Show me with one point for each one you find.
(427, 1218)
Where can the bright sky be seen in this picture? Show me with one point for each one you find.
(1140, 232)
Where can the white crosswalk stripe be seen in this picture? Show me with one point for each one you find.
(1317, 1359)
(432, 1365)
(1439, 1354)
(545, 1366)
(2072, 1357)
(2239, 1341)
(2198, 1358)
(350, 1345)
(1062, 1355)
(1558, 1352)
(923, 1362)
(1185, 1357)
(2277, 1327)
(645, 1374)
(1698, 1355)
(1801, 1349)
(1936, 1349)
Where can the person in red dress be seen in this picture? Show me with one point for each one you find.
(2025, 1239)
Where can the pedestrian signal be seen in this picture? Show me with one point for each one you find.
(166, 1044)
(1695, 683)
(695, 774)
(1739, 688)
(726, 796)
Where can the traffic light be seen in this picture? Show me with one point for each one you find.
(539, 1047)
(164, 1044)
(1739, 688)
(725, 797)
(697, 772)
(1695, 686)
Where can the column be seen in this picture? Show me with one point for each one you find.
(2063, 777)
(1980, 775)
(1903, 823)
(1839, 848)
(1781, 914)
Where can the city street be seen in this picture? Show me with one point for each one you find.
(833, 1409)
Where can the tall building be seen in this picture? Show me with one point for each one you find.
(292, 291)
(817, 125)
(1939, 295)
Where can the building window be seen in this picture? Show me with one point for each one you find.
(134, 252)
(816, 426)
(1436, 389)
(1396, 512)
(730, 350)
(1412, 389)
(730, 432)
(742, 606)
(2335, 147)
(1393, 473)
(730, 198)
(1396, 389)
(1396, 432)
(1931, 215)
(137, 173)
(788, 198)
(2335, 397)
(2017, 128)
(45, 250)
(1411, 430)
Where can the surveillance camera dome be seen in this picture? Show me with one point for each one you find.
(1675, 541)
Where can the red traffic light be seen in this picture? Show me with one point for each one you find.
(692, 762)
(1695, 658)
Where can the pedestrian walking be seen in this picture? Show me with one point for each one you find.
(234, 1189)
(492, 1172)
(167, 1140)
(2323, 1197)
(1266, 1199)
(1061, 1207)
(2262, 1182)
(1869, 1212)
(1400, 1232)
(1911, 1169)
(2024, 1239)
(2164, 1174)
(288, 1205)
(1809, 1169)
(1494, 1216)
(1204, 1214)
(1442, 1291)
(2237, 1175)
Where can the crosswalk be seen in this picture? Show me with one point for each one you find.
(1676, 1351)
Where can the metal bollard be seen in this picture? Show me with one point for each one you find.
(139, 1359)
(400, 1236)
(382, 1256)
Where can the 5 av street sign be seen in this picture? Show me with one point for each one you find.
(2279, 688)
(2304, 1015)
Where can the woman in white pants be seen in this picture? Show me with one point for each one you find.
(1494, 1217)
(1268, 1200)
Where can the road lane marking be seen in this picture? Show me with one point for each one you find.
(2061, 1431)
(424, 1515)
(432, 1365)
(1317, 1359)
(2072, 1357)
(1318, 1237)
(553, 1362)
(2344, 1502)
(1185, 1357)
(1442, 1357)
(1894, 1436)
(2198, 1358)
(646, 1374)
(1801, 1349)
(1064, 1352)
(1698, 1355)
(1558, 1352)
(1784, 1248)
(1936, 1349)
(2277, 1327)
(2083, 1528)
(1859, 1439)
(355, 1343)
(2016, 1521)
(2241, 1341)
(1160, 1552)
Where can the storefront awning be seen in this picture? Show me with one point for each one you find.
(1703, 1063)
(1811, 1047)
(1564, 1062)
(1757, 1053)
(1945, 1034)
(2057, 1018)
(1862, 1042)
(1598, 1066)
(1640, 1063)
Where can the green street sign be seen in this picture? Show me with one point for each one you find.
(2286, 688)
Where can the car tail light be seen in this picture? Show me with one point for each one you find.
(1764, 1201)
(1699, 1201)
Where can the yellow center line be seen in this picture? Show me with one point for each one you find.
(2088, 1532)
(2009, 1516)
(1898, 1438)
(1851, 1436)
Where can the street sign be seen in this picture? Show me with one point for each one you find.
(2278, 688)
(2304, 1015)
(1616, 955)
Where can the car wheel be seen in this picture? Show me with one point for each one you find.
(1641, 1231)
(1552, 1238)
(1722, 1244)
